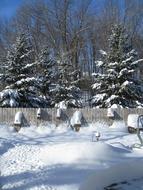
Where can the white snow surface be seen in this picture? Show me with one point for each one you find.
(57, 158)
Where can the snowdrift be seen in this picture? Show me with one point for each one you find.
(58, 158)
(81, 153)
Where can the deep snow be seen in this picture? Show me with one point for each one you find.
(57, 158)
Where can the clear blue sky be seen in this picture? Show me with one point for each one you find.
(8, 7)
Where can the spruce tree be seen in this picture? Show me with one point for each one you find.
(117, 81)
(66, 88)
(20, 90)
(46, 74)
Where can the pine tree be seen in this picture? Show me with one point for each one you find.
(66, 88)
(46, 74)
(21, 83)
(116, 82)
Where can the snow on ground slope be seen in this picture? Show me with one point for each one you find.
(57, 158)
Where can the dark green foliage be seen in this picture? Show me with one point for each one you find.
(46, 74)
(66, 88)
(117, 82)
(20, 80)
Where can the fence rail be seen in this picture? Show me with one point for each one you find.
(90, 115)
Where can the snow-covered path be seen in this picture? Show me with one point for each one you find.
(49, 158)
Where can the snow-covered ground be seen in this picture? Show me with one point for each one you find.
(50, 158)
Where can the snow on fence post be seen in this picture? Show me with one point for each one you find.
(110, 113)
(59, 113)
(39, 112)
(18, 121)
(76, 120)
(90, 114)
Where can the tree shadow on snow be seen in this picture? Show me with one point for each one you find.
(56, 175)
(5, 146)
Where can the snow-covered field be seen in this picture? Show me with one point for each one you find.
(50, 158)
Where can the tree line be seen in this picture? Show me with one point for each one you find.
(73, 29)
(49, 52)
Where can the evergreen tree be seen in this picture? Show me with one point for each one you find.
(46, 74)
(66, 88)
(117, 82)
(21, 83)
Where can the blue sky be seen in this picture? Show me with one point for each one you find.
(8, 7)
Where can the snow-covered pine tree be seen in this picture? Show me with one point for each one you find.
(21, 83)
(46, 74)
(117, 82)
(66, 88)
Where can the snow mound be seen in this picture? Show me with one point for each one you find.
(35, 131)
(44, 130)
(62, 128)
(82, 153)
(119, 126)
(91, 127)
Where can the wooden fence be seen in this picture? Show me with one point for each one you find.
(90, 115)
